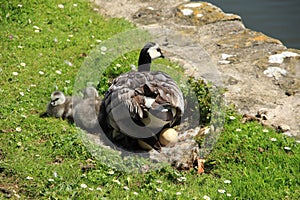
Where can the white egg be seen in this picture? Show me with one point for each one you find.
(168, 136)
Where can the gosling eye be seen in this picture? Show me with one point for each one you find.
(53, 102)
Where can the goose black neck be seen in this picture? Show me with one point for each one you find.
(144, 61)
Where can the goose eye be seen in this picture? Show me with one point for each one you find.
(161, 53)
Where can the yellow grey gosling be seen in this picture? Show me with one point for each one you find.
(86, 111)
(61, 106)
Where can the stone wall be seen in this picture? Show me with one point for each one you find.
(260, 74)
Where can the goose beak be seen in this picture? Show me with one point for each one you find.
(162, 54)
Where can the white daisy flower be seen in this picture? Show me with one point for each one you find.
(116, 181)
(227, 181)
(181, 179)
(103, 48)
(265, 130)
(232, 117)
(206, 197)
(29, 178)
(221, 191)
(68, 63)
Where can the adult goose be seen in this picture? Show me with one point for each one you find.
(139, 104)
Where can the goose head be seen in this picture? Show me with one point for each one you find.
(148, 53)
(90, 92)
(57, 98)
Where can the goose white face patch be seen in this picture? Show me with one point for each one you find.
(153, 52)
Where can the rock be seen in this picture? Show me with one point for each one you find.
(201, 13)
(148, 15)
(275, 72)
(280, 57)
(289, 134)
(262, 113)
(284, 128)
(249, 118)
(260, 150)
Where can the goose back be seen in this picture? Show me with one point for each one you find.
(135, 96)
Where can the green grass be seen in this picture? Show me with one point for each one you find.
(43, 158)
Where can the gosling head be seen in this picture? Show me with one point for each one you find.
(90, 92)
(57, 98)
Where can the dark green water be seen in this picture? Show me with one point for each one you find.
(279, 19)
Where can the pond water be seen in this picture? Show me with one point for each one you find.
(279, 19)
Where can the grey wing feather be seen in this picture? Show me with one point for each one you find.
(168, 89)
(125, 99)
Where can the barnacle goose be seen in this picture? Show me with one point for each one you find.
(140, 104)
